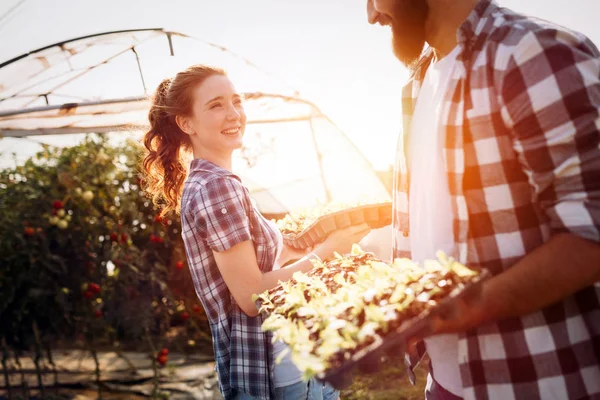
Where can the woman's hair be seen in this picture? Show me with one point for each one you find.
(165, 164)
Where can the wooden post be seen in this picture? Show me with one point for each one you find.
(98, 382)
(54, 371)
(37, 358)
(156, 379)
(5, 368)
(24, 385)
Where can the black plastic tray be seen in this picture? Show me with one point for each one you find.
(375, 215)
(369, 357)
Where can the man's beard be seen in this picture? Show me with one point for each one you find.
(408, 29)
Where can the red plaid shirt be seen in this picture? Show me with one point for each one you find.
(217, 213)
(522, 154)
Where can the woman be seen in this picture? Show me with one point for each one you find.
(231, 248)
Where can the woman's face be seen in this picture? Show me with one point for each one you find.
(218, 120)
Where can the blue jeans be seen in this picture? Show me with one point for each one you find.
(311, 390)
(434, 391)
(243, 396)
(329, 393)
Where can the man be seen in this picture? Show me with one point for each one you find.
(499, 166)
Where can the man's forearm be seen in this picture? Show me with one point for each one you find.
(559, 268)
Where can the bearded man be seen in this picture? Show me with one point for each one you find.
(499, 167)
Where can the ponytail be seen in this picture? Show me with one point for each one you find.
(167, 147)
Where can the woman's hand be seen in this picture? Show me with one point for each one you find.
(296, 254)
(289, 253)
(341, 240)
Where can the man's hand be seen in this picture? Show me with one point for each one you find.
(558, 269)
(466, 314)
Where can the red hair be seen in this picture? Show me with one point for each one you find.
(164, 167)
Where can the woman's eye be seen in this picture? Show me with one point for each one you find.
(215, 105)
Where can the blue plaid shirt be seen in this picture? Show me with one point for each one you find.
(217, 213)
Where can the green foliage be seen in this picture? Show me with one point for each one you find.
(390, 383)
(85, 257)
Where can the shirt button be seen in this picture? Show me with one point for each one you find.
(223, 211)
(405, 233)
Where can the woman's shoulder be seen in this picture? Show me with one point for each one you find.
(212, 183)
(204, 190)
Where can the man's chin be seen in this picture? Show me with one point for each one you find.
(408, 55)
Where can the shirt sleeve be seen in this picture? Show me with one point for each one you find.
(221, 214)
(550, 94)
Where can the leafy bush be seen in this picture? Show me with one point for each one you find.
(85, 258)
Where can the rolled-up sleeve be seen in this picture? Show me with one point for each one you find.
(221, 213)
(550, 95)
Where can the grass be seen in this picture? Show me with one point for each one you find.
(390, 383)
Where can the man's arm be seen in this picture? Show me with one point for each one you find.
(555, 270)
(550, 94)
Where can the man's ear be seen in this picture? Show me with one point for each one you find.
(184, 124)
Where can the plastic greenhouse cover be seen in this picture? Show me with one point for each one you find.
(293, 156)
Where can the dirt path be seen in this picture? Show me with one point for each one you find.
(128, 377)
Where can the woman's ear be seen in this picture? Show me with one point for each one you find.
(184, 124)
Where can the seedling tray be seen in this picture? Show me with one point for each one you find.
(368, 359)
(375, 215)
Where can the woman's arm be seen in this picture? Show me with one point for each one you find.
(243, 278)
(239, 266)
(289, 253)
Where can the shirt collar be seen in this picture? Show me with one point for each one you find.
(202, 165)
(472, 27)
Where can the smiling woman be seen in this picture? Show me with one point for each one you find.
(217, 108)
(232, 250)
(177, 101)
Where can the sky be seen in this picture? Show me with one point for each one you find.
(323, 48)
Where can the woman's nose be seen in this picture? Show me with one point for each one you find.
(233, 113)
